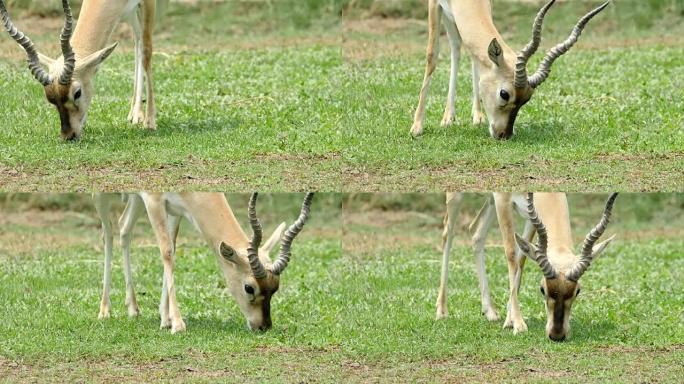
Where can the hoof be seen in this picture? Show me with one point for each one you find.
(416, 130)
(491, 314)
(448, 120)
(178, 327)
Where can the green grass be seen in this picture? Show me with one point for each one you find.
(245, 102)
(52, 289)
(626, 326)
(355, 304)
(290, 96)
(601, 120)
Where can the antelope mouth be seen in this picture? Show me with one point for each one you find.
(71, 136)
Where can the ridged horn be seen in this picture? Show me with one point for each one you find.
(530, 48)
(65, 42)
(37, 71)
(545, 67)
(543, 240)
(257, 232)
(587, 248)
(284, 256)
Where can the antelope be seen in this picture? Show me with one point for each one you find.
(500, 79)
(251, 276)
(546, 214)
(69, 80)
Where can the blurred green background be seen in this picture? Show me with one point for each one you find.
(632, 211)
(271, 206)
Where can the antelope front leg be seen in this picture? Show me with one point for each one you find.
(481, 224)
(148, 16)
(136, 114)
(173, 224)
(455, 43)
(453, 203)
(478, 117)
(102, 205)
(505, 215)
(158, 219)
(435, 12)
(133, 210)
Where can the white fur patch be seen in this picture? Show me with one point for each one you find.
(447, 10)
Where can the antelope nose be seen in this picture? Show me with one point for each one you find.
(503, 135)
(71, 136)
(557, 337)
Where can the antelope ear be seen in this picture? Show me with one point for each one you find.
(92, 61)
(527, 248)
(598, 248)
(274, 239)
(45, 61)
(495, 53)
(228, 253)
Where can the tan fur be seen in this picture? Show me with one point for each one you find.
(476, 31)
(559, 293)
(96, 22)
(213, 217)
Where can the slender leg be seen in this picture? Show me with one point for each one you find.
(504, 213)
(103, 205)
(455, 43)
(453, 203)
(482, 223)
(133, 210)
(164, 305)
(478, 117)
(434, 14)
(159, 220)
(136, 115)
(148, 25)
(173, 224)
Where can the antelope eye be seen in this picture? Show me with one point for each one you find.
(504, 95)
(249, 289)
(77, 95)
(542, 290)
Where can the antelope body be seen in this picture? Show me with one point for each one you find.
(69, 80)
(250, 274)
(500, 78)
(547, 214)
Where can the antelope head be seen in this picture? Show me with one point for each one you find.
(560, 284)
(253, 279)
(505, 88)
(68, 81)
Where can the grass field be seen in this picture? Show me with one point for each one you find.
(356, 304)
(245, 95)
(320, 95)
(50, 274)
(602, 120)
(625, 326)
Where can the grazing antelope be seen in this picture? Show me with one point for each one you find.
(546, 214)
(500, 79)
(249, 272)
(69, 80)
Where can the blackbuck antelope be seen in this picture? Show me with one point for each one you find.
(500, 79)
(546, 214)
(250, 274)
(69, 80)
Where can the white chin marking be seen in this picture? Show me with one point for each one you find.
(491, 130)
